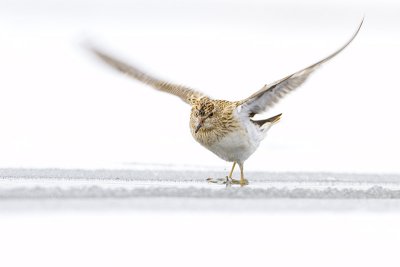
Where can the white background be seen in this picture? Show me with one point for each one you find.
(60, 107)
(195, 240)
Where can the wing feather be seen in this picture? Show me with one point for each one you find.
(270, 94)
(185, 93)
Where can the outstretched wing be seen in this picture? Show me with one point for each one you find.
(185, 93)
(270, 94)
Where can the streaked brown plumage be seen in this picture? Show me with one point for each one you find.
(227, 128)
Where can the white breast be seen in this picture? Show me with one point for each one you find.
(238, 145)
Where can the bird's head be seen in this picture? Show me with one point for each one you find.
(203, 114)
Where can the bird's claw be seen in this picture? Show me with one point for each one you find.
(217, 180)
(227, 181)
(243, 182)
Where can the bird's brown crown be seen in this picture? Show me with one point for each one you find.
(202, 107)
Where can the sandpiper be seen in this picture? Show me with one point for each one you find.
(227, 128)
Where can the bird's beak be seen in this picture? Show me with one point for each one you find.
(199, 125)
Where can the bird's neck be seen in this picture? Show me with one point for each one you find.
(222, 125)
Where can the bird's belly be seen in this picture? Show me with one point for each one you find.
(235, 146)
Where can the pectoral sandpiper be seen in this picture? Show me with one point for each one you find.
(227, 128)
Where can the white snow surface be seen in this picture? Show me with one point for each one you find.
(60, 217)
(27, 189)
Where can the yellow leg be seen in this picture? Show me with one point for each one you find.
(233, 167)
(242, 180)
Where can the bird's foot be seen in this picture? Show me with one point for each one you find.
(243, 182)
(217, 180)
(227, 181)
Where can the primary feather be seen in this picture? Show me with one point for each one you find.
(183, 92)
(270, 94)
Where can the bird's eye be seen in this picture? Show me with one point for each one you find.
(211, 114)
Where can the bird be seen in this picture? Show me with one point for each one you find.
(226, 128)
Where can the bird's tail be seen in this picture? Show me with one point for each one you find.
(271, 120)
(266, 124)
(274, 119)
